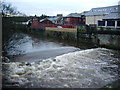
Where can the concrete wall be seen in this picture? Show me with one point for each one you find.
(110, 41)
(71, 36)
(83, 36)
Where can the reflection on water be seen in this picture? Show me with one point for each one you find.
(24, 47)
(28, 44)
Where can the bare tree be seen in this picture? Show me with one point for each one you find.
(8, 9)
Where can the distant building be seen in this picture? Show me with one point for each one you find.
(110, 20)
(59, 15)
(56, 20)
(83, 16)
(74, 19)
(36, 24)
(45, 21)
(96, 14)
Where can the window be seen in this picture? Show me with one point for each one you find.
(118, 23)
(101, 23)
(110, 23)
(116, 8)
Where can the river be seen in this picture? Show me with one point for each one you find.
(37, 62)
(26, 47)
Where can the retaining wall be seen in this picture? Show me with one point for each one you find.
(85, 34)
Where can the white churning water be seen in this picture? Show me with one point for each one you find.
(92, 68)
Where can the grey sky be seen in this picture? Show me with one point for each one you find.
(53, 7)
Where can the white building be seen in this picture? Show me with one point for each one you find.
(96, 14)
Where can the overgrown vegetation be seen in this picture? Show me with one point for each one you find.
(9, 27)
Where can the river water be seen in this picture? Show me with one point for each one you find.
(27, 48)
(40, 62)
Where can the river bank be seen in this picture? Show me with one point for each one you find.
(86, 34)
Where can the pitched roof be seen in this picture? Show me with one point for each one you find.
(74, 15)
(102, 10)
(44, 20)
(83, 13)
(54, 18)
(112, 15)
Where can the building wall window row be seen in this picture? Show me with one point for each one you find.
(114, 23)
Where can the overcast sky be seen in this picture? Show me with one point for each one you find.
(54, 7)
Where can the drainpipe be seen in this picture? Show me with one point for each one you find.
(115, 24)
(94, 19)
(105, 23)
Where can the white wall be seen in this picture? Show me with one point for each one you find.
(93, 19)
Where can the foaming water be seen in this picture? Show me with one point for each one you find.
(91, 68)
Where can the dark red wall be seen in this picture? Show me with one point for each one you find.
(73, 20)
(40, 25)
(35, 24)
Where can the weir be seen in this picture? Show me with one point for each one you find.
(91, 68)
